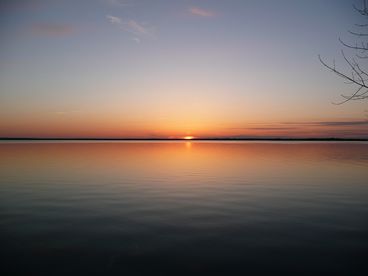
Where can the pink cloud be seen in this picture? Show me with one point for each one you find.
(52, 29)
(201, 12)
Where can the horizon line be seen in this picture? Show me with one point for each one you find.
(182, 139)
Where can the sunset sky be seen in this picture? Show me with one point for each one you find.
(175, 68)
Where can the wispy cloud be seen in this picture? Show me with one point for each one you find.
(52, 29)
(114, 19)
(285, 126)
(270, 128)
(196, 11)
(139, 30)
(331, 123)
(136, 39)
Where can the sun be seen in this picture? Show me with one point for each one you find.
(188, 137)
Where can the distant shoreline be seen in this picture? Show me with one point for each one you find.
(188, 140)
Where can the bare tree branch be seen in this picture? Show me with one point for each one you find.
(357, 75)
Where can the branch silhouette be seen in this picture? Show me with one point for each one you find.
(356, 75)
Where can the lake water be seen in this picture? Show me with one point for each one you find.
(183, 208)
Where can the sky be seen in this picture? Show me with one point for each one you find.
(175, 68)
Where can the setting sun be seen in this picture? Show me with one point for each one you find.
(188, 137)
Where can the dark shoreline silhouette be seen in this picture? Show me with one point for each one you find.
(183, 139)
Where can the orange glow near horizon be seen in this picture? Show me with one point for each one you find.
(116, 125)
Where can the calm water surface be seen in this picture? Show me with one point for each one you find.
(183, 208)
